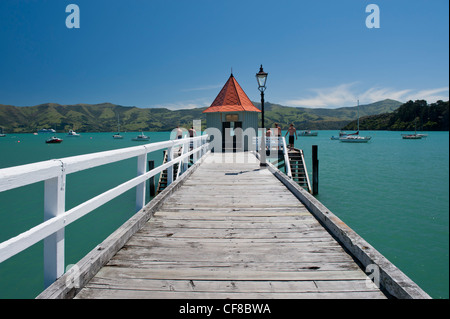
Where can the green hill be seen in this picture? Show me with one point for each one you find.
(320, 118)
(93, 118)
(408, 117)
(103, 117)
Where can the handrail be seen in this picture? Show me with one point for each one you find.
(287, 163)
(278, 142)
(54, 173)
(306, 172)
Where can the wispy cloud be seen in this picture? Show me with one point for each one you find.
(346, 94)
(192, 104)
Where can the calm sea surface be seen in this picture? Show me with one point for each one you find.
(392, 192)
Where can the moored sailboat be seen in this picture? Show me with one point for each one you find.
(141, 137)
(354, 137)
(117, 136)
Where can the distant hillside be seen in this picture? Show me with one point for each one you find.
(103, 117)
(93, 118)
(426, 117)
(320, 118)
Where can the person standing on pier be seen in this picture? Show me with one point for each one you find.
(268, 136)
(277, 132)
(192, 132)
(179, 133)
(292, 132)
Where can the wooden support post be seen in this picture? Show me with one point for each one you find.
(54, 205)
(315, 168)
(151, 165)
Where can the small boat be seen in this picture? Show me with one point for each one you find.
(1, 132)
(411, 136)
(47, 130)
(117, 136)
(343, 134)
(72, 133)
(414, 136)
(54, 140)
(355, 139)
(141, 137)
(308, 133)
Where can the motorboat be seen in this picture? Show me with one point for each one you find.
(54, 140)
(72, 133)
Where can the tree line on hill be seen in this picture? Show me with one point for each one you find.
(409, 116)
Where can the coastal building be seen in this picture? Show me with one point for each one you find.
(234, 115)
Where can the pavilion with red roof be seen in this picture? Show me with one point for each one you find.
(234, 115)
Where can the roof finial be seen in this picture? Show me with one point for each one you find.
(231, 71)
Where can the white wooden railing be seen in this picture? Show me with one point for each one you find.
(275, 144)
(54, 172)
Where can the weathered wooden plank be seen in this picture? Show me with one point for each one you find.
(202, 274)
(228, 224)
(230, 213)
(212, 265)
(145, 243)
(231, 286)
(139, 294)
(232, 233)
(167, 242)
(243, 257)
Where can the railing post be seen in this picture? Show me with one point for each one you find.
(196, 154)
(170, 168)
(151, 165)
(202, 143)
(140, 189)
(185, 160)
(315, 168)
(54, 205)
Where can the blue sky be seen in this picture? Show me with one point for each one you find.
(179, 53)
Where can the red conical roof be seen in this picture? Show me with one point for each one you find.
(231, 98)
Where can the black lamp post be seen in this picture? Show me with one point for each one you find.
(261, 77)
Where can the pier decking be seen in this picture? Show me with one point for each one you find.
(232, 230)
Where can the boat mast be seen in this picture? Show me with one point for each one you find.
(357, 111)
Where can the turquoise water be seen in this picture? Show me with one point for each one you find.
(392, 192)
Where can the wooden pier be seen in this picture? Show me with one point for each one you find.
(226, 227)
(229, 229)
